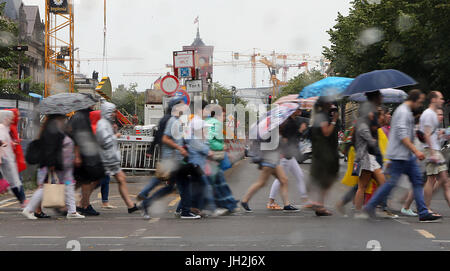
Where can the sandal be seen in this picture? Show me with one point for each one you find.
(273, 206)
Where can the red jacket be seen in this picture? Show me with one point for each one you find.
(95, 116)
(18, 151)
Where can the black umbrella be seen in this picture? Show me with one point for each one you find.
(65, 103)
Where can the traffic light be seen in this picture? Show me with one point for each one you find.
(270, 99)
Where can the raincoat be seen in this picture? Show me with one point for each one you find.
(8, 165)
(106, 137)
(18, 151)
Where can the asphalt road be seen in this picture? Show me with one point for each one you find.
(262, 230)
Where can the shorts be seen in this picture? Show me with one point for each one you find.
(432, 168)
(374, 165)
(112, 170)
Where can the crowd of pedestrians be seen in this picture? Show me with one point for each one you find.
(82, 152)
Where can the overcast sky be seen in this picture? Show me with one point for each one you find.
(152, 29)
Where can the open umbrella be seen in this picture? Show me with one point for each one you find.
(329, 86)
(304, 103)
(293, 98)
(390, 96)
(272, 119)
(65, 103)
(379, 79)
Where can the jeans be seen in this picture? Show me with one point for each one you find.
(184, 188)
(202, 194)
(395, 170)
(104, 183)
(167, 189)
(149, 187)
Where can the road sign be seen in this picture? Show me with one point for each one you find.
(184, 64)
(194, 86)
(185, 95)
(169, 84)
(185, 72)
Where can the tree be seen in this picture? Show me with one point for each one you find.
(296, 84)
(129, 101)
(224, 94)
(9, 59)
(410, 36)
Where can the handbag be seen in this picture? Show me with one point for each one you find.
(218, 155)
(356, 169)
(225, 163)
(54, 193)
(162, 172)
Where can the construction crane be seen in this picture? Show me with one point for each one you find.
(59, 46)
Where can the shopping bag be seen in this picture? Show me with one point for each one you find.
(162, 171)
(53, 192)
(225, 163)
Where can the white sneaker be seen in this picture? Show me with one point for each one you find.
(220, 212)
(75, 215)
(28, 215)
(360, 215)
(408, 212)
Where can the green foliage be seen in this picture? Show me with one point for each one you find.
(224, 94)
(11, 86)
(125, 98)
(296, 84)
(410, 36)
(9, 32)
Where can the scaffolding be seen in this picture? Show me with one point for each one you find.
(59, 47)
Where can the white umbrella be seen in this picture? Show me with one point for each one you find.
(390, 95)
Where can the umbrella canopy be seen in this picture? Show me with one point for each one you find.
(65, 103)
(379, 79)
(390, 96)
(329, 86)
(273, 119)
(304, 103)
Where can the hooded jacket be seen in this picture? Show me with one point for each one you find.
(95, 116)
(18, 151)
(106, 138)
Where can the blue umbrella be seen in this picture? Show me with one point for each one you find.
(329, 86)
(379, 79)
(34, 95)
(390, 96)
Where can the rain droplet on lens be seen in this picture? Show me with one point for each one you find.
(370, 36)
(404, 22)
(395, 49)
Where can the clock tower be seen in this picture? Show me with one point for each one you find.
(203, 59)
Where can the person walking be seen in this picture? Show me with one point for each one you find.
(8, 163)
(88, 165)
(222, 193)
(291, 132)
(269, 165)
(109, 151)
(56, 159)
(436, 168)
(403, 155)
(95, 116)
(325, 156)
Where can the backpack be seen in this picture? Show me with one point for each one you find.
(157, 139)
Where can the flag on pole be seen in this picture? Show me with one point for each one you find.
(196, 20)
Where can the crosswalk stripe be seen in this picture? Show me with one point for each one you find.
(175, 201)
(426, 234)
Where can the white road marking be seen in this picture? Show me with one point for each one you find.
(116, 249)
(138, 232)
(426, 234)
(103, 237)
(153, 220)
(49, 245)
(402, 222)
(441, 241)
(161, 237)
(40, 237)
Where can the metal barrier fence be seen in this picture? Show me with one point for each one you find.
(134, 155)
